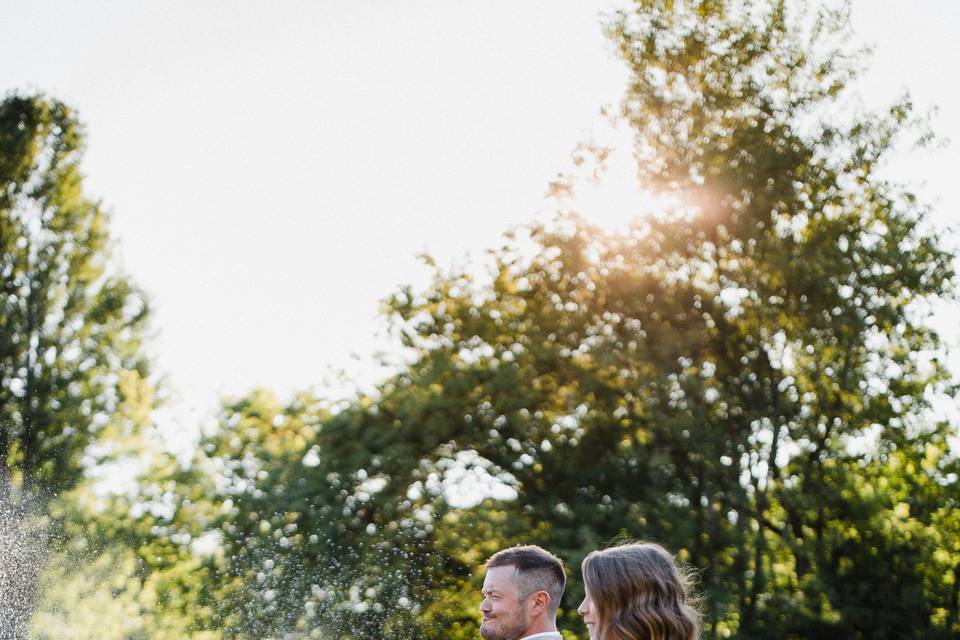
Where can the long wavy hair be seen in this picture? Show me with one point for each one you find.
(641, 593)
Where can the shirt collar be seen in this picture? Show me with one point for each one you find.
(546, 635)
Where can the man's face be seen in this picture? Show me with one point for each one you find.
(504, 614)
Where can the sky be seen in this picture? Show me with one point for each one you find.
(274, 169)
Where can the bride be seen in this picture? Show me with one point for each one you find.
(637, 591)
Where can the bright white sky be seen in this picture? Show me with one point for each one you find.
(274, 168)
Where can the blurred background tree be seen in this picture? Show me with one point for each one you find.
(72, 326)
(71, 329)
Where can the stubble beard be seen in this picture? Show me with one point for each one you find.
(511, 628)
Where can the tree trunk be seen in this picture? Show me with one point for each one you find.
(759, 577)
(28, 437)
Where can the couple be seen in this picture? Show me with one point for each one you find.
(633, 592)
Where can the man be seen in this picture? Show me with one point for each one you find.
(521, 594)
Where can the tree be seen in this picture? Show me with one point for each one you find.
(70, 325)
(70, 331)
(306, 541)
(708, 378)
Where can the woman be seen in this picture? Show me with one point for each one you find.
(637, 591)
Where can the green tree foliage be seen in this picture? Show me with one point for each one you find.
(745, 376)
(70, 333)
(122, 561)
(98, 594)
(69, 326)
(305, 542)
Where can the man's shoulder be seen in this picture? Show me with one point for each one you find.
(546, 635)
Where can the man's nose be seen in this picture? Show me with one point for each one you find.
(484, 605)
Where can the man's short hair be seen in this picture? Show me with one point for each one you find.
(536, 570)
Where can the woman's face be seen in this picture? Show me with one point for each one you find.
(589, 613)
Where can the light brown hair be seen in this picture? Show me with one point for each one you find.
(641, 593)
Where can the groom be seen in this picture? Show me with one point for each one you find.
(521, 593)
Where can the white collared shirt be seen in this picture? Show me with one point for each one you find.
(546, 635)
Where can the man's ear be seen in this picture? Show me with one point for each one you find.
(540, 601)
